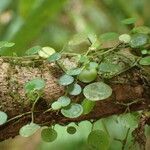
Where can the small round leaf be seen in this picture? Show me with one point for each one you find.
(145, 61)
(87, 106)
(3, 117)
(48, 135)
(54, 57)
(138, 40)
(56, 105)
(74, 72)
(93, 65)
(64, 101)
(65, 80)
(45, 52)
(34, 84)
(74, 89)
(97, 91)
(34, 50)
(125, 38)
(28, 129)
(71, 130)
(73, 111)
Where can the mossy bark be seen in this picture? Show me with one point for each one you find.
(14, 72)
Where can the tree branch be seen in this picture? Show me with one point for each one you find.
(131, 95)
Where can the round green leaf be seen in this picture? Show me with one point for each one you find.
(97, 91)
(34, 50)
(138, 40)
(45, 52)
(65, 80)
(87, 106)
(64, 101)
(3, 117)
(73, 111)
(145, 60)
(28, 129)
(54, 57)
(129, 21)
(48, 135)
(74, 72)
(87, 75)
(56, 105)
(71, 130)
(125, 38)
(144, 51)
(34, 84)
(98, 140)
(74, 89)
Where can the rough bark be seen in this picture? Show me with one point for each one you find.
(14, 72)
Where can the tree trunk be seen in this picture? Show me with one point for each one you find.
(14, 72)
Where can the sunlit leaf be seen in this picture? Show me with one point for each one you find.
(73, 111)
(56, 105)
(88, 75)
(46, 52)
(97, 91)
(48, 135)
(28, 129)
(125, 38)
(3, 117)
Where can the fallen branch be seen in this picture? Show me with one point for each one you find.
(130, 95)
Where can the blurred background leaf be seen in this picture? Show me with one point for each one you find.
(51, 23)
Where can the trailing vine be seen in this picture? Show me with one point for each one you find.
(86, 78)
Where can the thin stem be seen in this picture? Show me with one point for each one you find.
(47, 110)
(33, 106)
(19, 116)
